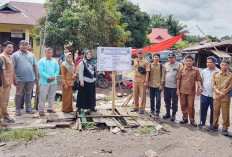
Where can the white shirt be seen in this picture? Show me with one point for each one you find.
(206, 76)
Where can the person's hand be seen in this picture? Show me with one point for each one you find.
(199, 91)
(177, 92)
(74, 76)
(36, 80)
(52, 78)
(222, 94)
(145, 84)
(160, 87)
(16, 83)
(6, 84)
(65, 86)
(82, 85)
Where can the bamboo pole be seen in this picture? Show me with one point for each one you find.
(210, 41)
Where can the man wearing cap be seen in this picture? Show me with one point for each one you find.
(140, 82)
(156, 82)
(207, 94)
(26, 72)
(170, 96)
(222, 83)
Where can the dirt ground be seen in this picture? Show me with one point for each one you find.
(181, 140)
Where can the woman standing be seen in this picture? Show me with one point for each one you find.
(68, 79)
(86, 98)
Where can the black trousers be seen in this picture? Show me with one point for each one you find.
(171, 99)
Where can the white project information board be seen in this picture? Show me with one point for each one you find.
(113, 59)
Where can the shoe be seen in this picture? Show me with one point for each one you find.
(134, 110)
(173, 118)
(8, 120)
(151, 113)
(41, 113)
(141, 112)
(212, 128)
(201, 124)
(51, 111)
(156, 114)
(183, 121)
(224, 132)
(166, 116)
(194, 124)
(94, 110)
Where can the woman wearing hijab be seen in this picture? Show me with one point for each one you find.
(68, 79)
(87, 77)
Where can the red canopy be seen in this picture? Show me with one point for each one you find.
(160, 46)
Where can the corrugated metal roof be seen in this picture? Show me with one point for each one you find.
(221, 54)
(28, 15)
(208, 45)
(159, 34)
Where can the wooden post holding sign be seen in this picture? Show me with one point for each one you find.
(113, 92)
(113, 59)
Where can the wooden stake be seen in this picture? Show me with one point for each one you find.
(113, 92)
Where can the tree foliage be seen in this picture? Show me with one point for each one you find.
(193, 38)
(170, 22)
(83, 24)
(138, 23)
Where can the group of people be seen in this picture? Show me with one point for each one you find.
(212, 84)
(21, 69)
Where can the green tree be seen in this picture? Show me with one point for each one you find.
(138, 23)
(193, 38)
(227, 37)
(83, 24)
(170, 22)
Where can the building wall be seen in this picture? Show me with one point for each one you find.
(26, 29)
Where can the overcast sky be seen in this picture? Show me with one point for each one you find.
(212, 16)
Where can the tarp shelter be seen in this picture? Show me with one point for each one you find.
(160, 46)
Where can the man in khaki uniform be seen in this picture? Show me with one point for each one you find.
(156, 83)
(140, 82)
(222, 83)
(8, 77)
(186, 88)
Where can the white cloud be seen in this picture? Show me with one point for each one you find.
(211, 15)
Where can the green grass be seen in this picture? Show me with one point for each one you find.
(20, 135)
(87, 126)
(106, 99)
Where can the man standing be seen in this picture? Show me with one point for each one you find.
(140, 82)
(207, 94)
(186, 88)
(62, 57)
(8, 78)
(48, 71)
(170, 96)
(26, 75)
(156, 82)
(1, 70)
(222, 83)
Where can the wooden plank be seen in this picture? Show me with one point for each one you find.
(130, 122)
(108, 121)
(96, 120)
(139, 120)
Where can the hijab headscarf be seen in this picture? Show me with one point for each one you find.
(89, 63)
(68, 65)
